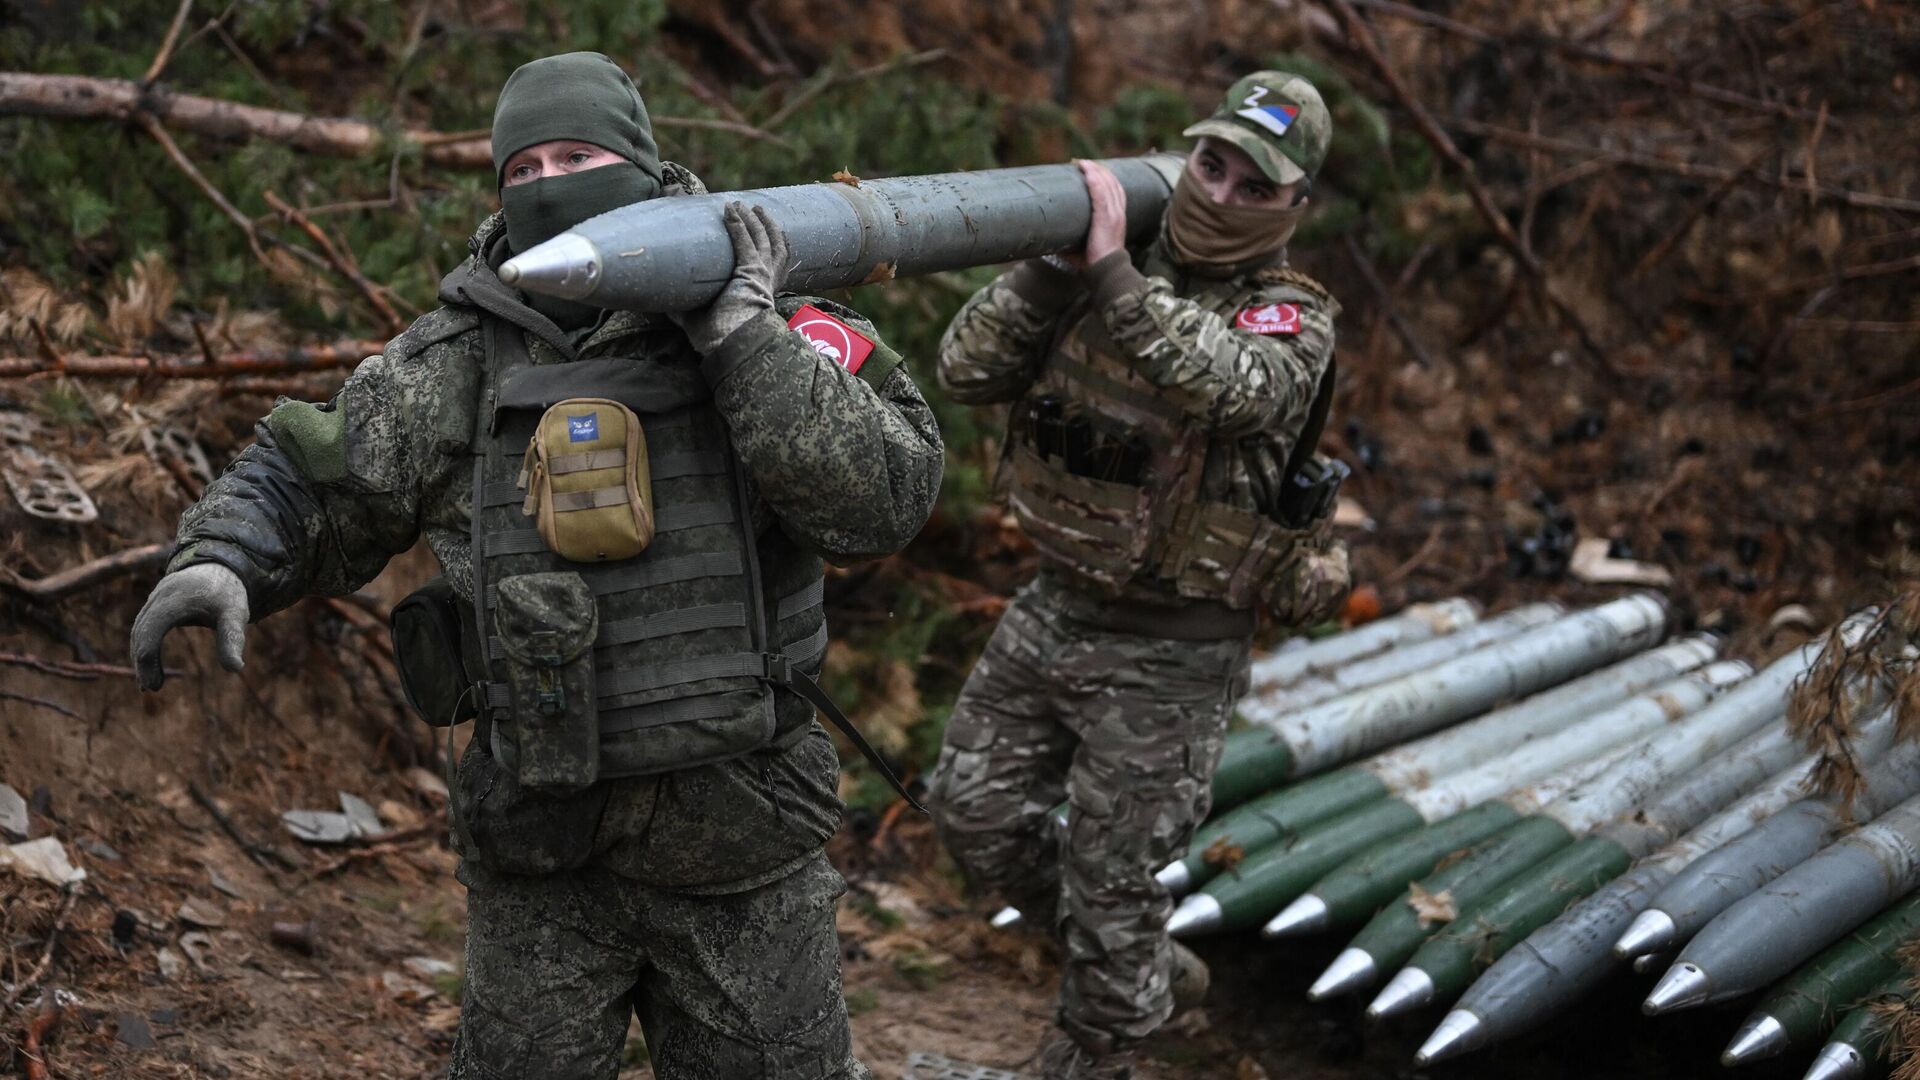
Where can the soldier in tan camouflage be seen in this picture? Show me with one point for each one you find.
(1156, 400)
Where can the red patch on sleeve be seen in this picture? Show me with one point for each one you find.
(832, 338)
(1269, 319)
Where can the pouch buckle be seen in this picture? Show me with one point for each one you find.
(550, 692)
(779, 669)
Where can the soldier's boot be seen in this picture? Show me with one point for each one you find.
(1064, 1059)
(1190, 979)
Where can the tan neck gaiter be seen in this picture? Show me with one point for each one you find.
(1208, 236)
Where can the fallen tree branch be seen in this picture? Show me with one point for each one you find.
(293, 361)
(1786, 288)
(731, 127)
(1692, 170)
(832, 79)
(255, 238)
(88, 573)
(343, 262)
(264, 854)
(1360, 38)
(39, 971)
(315, 386)
(167, 43)
(1387, 306)
(1649, 72)
(84, 97)
(68, 669)
(29, 699)
(1665, 245)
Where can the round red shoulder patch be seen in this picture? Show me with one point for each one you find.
(1269, 319)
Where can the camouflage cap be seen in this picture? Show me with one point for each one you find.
(1278, 119)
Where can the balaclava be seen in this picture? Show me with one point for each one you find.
(582, 96)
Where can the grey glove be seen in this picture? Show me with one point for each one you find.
(760, 264)
(204, 594)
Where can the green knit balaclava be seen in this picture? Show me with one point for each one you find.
(582, 96)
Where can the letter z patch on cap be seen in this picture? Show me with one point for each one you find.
(1269, 319)
(832, 338)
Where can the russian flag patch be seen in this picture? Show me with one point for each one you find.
(1275, 118)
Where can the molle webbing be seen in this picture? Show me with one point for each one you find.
(612, 687)
(621, 577)
(680, 663)
(665, 467)
(1161, 529)
(685, 655)
(666, 519)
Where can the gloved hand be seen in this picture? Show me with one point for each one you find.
(760, 264)
(204, 594)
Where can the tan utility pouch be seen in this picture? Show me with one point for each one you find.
(588, 487)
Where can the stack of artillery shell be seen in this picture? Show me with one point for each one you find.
(1418, 637)
(1284, 813)
(1624, 799)
(1266, 755)
(1275, 876)
(1601, 828)
(1854, 898)
(1263, 709)
(1304, 658)
(1789, 919)
(1719, 878)
(1499, 869)
(1569, 956)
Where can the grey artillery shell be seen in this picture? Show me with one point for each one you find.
(674, 254)
(1476, 742)
(1722, 877)
(1418, 656)
(1569, 956)
(1301, 658)
(1793, 917)
(1346, 727)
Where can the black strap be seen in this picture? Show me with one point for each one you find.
(781, 672)
(1309, 440)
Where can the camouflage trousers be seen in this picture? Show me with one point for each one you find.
(1128, 730)
(734, 985)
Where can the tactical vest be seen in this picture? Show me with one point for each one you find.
(662, 661)
(1158, 525)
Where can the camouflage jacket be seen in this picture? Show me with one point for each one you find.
(1186, 334)
(837, 466)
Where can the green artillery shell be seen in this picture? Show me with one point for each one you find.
(1396, 933)
(1274, 817)
(1358, 887)
(1505, 917)
(1270, 880)
(1252, 761)
(1860, 1046)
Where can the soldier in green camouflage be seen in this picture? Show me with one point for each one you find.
(666, 857)
(1156, 399)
